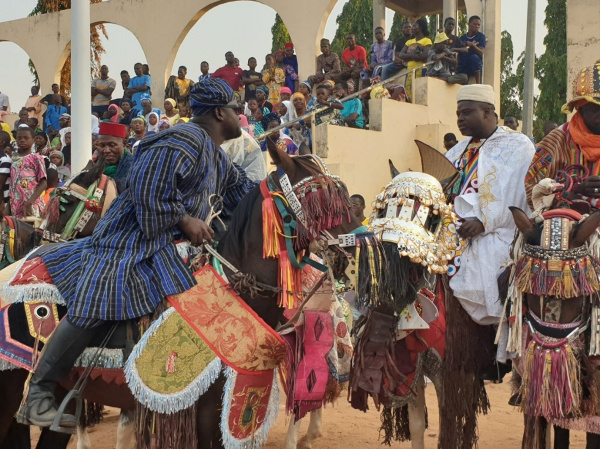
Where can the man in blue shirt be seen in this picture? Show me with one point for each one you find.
(53, 113)
(470, 61)
(382, 53)
(138, 85)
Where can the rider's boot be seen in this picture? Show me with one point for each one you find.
(57, 359)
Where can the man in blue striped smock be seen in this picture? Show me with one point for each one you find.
(130, 263)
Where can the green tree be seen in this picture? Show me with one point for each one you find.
(280, 34)
(551, 68)
(509, 81)
(96, 50)
(463, 24)
(356, 18)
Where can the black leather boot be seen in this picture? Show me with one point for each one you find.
(60, 353)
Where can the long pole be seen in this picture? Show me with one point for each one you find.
(81, 124)
(529, 71)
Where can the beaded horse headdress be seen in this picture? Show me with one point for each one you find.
(412, 212)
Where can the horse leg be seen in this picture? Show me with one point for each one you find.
(561, 438)
(592, 441)
(209, 416)
(291, 438)
(314, 429)
(83, 438)
(11, 394)
(416, 416)
(125, 430)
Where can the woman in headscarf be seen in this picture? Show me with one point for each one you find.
(129, 113)
(291, 77)
(285, 111)
(262, 93)
(274, 79)
(164, 124)
(113, 114)
(41, 143)
(305, 88)
(282, 141)
(171, 112)
(58, 159)
(300, 132)
(138, 126)
(152, 127)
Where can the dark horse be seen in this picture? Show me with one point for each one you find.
(242, 246)
(59, 212)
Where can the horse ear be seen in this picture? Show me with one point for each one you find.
(524, 224)
(281, 159)
(393, 170)
(584, 230)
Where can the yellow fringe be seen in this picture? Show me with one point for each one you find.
(271, 229)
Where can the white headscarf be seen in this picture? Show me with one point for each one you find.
(150, 127)
(290, 109)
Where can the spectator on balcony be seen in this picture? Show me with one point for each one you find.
(352, 112)
(34, 104)
(139, 85)
(4, 103)
(274, 78)
(328, 65)
(453, 40)
(355, 60)
(55, 90)
(443, 60)
(178, 87)
(291, 76)
(251, 79)
(204, 70)
(382, 53)
(290, 57)
(102, 90)
(416, 51)
(471, 55)
(511, 122)
(328, 106)
(305, 88)
(398, 64)
(229, 73)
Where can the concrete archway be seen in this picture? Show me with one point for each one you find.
(17, 81)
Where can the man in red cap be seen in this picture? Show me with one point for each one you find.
(114, 153)
(290, 57)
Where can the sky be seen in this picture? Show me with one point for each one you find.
(123, 49)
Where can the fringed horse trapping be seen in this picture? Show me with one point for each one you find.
(417, 230)
(552, 311)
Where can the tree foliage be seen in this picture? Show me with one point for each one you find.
(396, 30)
(280, 34)
(551, 68)
(96, 49)
(511, 85)
(356, 18)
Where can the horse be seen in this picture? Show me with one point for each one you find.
(552, 306)
(70, 214)
(402, 338)
(325, 205)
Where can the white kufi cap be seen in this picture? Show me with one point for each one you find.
(482, 93)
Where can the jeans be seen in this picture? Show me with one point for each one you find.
(390, 70)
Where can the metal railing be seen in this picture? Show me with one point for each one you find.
(312, 113)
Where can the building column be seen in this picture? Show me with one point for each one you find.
(449, 9)
(81, 124)
(378, 15)
(491, 59)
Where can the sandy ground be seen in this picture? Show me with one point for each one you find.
(346, 428)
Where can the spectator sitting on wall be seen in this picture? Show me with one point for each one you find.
(449, 140)
(511, 122)
(398, 64)
(352, 112)
(355, 60)
(471, 56)
(382, 53)
(443, 61)
(328, 64)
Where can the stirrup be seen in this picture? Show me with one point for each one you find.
(76, 393)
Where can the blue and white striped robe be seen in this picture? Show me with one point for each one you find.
(130, 263)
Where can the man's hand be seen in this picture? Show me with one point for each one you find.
(197, 230)
(589, 187)
(470, 229)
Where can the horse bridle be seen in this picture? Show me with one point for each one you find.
(96, 198)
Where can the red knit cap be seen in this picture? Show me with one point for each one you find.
(113, 129)
(288, 45)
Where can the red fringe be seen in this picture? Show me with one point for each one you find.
(52, 210)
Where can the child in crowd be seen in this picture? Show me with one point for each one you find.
(285, 93)
(5, 162)
(164, 124)
(27, 177)
(352, 112)
(41, 143)
(152, 124)
(328, 106)
(63, 172)
(33, 124)
(66, 150)
(255, 117)
(138, 126)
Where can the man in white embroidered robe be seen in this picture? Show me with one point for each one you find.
(493, 162)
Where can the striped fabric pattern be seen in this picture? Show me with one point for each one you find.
(130, 262)
(5, 163)
(555, 152)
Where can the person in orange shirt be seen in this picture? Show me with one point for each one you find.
(52, 180)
